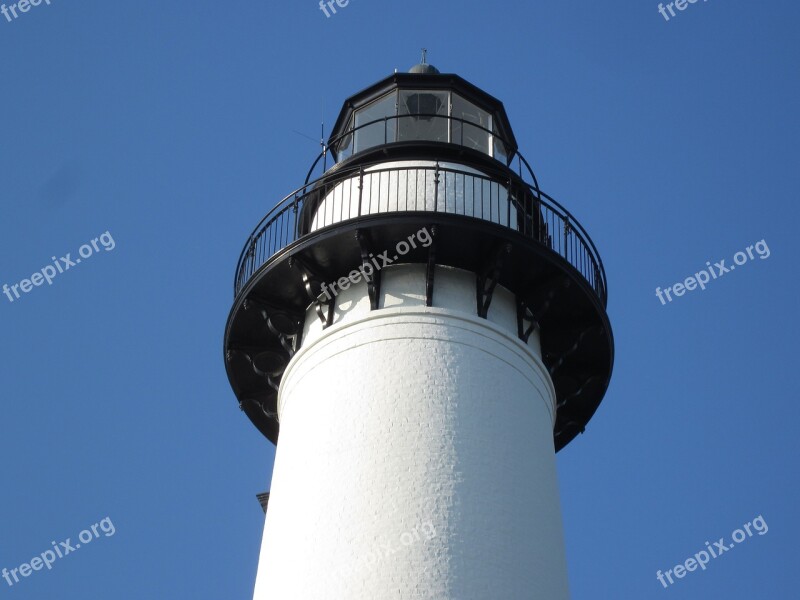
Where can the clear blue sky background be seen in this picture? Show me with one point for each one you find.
(169, 124)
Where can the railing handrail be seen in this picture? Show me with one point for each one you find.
(291, 201)
(332, 142)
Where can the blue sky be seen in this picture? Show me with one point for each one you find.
(170, 126)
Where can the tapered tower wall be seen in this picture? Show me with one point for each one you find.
(416, 455)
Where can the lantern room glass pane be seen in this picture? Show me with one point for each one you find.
(469, 135)
(418, 115)
(344, 148)
(382, 132)
(499, 147)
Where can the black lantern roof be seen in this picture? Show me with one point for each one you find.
(454, 111)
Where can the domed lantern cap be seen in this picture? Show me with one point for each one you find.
(424, 67)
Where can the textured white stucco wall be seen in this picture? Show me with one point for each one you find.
(415, 457)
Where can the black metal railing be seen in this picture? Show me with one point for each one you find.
(389, 130)
(404, 188)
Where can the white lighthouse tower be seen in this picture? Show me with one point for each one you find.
(419, 330)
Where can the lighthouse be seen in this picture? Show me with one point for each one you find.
(419, 328)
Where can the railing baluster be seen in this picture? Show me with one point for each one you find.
(472, 177)
(509, 197)
(436, 189)
(360, 188)
(491, 200)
